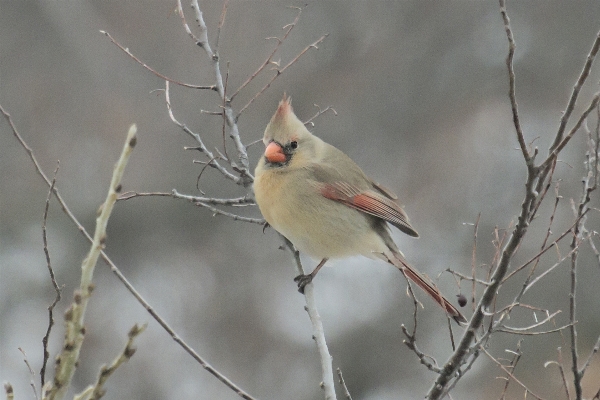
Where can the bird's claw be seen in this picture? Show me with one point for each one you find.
(302, 281)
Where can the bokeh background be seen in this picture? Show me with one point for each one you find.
(420, 89)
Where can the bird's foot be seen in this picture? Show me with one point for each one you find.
(302, 281)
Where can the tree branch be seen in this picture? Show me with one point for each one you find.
(75, 315)
(327, 383)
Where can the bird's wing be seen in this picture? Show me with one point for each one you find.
(364, 196)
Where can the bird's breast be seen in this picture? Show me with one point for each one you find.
(317, 226)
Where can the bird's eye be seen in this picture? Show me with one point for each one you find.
(294, 144)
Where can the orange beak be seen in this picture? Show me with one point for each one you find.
(274, 153)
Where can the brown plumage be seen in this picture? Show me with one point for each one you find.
(319, 199)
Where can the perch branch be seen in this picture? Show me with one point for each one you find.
(327, 383)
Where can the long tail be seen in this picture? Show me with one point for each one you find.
(410, 272)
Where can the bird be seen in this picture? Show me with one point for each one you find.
(320, 200)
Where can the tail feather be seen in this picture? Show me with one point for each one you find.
(411, 273)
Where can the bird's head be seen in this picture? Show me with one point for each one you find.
(286, 138)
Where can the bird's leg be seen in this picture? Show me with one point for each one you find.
(303, 280)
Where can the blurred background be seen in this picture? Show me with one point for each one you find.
(420, 89)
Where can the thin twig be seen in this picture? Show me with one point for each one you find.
(223, 105)
(474, 261)
(590, 356)
(96, 391)
(31, 373)
(166, 78)
(233, 216)
(518, 332)
(269, 59)
(52, 279)
(319, 113)
(278, 73)
(575, 93)
(236, 201)
(512, 95)
(546, 272)
(509, 374)
(536, 257)
(423, 358)
(220, 26)
(343, 384)
(562, 372)
(561, 145)
(468, 278)
(513, 365)
(529, 327)
(202, 147)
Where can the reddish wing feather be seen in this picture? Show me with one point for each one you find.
(369, 202)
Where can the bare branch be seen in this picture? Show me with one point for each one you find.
(517, 332)
(319, 113)
(31, 373)
(278, 72)
(536, 257)
(474, 261)
(528, 285)
(166, 78)
(589, 185)
(513, 366)
(268, 61)
(343, 384)
(510, 374)
(327, 383)
(511, 75)
(221, 22)
(96, 391)
(202, 41)
(75, 315)
(423, 358)
(589, 358)
(52, 279)
(527, 328)
(467, 278)
(576, 89)
(236, 201)
(554, 153)
(198, 139)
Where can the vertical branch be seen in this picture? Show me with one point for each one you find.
(327, 384)
(474, 262)
(463, 349)
(511, 77)
(52, 278)
(589, 185)
(230, 118)
(75, 315)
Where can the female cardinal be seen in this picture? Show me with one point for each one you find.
(320, 200)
